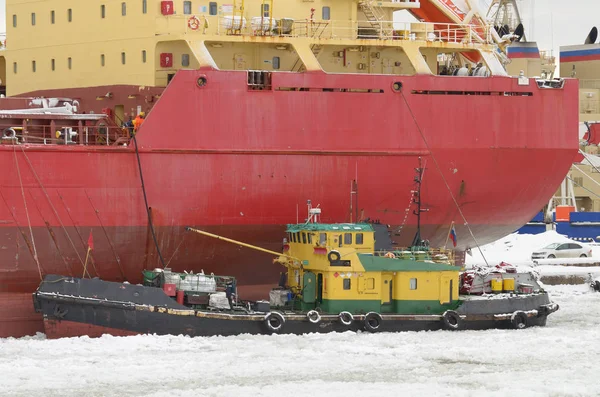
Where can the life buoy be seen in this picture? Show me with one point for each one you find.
(390, 255)
(346, 318)
(193, 23)
(373, 321)
(313, 316)
(518, 320)
(452, 320)
(9, 133)
(333, 256)
(274, 322)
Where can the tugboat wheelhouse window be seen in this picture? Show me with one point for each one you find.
(185, 59)
(101, 59)
(347, 283)
(264, 10)
(413, 283)
(123, 59)
(70, 15)
(33, 68)
(69, 62)
(33, 19)
(123, 8)
(303, 238)
(359, 239)
(53, 64)
(14, 67)
(326, 13)
(14, 20)
(212, 8)
(144, 6)
(322, 238)
(347, 238)
(143, 56)
(309, 238)
(52, 17)
(102, 11)
(187, 7)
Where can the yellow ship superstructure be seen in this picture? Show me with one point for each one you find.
(62, 44)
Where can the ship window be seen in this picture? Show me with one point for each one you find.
(52, 17)
(212, 8)
(70, 14)
(14, 67)
(187, 7)
(33, 19)
(69, 62)
(123, 8)
(33, 66)
(144, 56)
(326, 13)
(413, 283)
(264, 10)
(323, 238)
(309, 238)
(53, 64)
(123, 58)
(293, 237)
(359, 239)
(347, 238)
(347, 283)
(275, 63)
(144, 6)
(185, 59)
(14, 20)
(303, 238)
(101, 59)
(102, 11)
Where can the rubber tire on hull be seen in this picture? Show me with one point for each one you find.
(274, 322)
(452, 321)
(373, 322)
(346, 318)
(519, 320)
(334, 256)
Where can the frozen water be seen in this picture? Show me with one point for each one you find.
(561, 359)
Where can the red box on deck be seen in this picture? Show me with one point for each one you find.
(170, 289)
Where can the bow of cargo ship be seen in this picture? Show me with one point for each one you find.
(247, 117)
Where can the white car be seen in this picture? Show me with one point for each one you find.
(562, 250)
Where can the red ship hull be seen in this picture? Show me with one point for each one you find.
(242, 163)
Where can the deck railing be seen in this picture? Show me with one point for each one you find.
(324, 29)
(92, 135)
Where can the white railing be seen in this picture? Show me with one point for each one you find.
(332, 29)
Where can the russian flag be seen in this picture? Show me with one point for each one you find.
(453, 235)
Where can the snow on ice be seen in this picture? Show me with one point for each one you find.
(561, 359)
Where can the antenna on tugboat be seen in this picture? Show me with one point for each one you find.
(437, 166)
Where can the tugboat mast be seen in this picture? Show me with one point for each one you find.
(417, 200)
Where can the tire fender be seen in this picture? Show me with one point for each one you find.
(452, 320)
(373, 321)
(274, 321)
(519, 320)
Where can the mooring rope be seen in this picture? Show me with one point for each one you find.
(35, 255)
(437, 166)
(51, 205)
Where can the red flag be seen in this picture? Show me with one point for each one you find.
(91, 241)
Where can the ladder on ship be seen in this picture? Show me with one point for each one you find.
(376, 17)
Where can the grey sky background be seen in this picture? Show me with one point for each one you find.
(551, 23)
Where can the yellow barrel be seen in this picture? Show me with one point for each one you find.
(496, 285)
(509, 284)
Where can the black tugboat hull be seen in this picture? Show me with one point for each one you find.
(73, 307)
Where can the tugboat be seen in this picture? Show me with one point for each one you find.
(335, 280)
